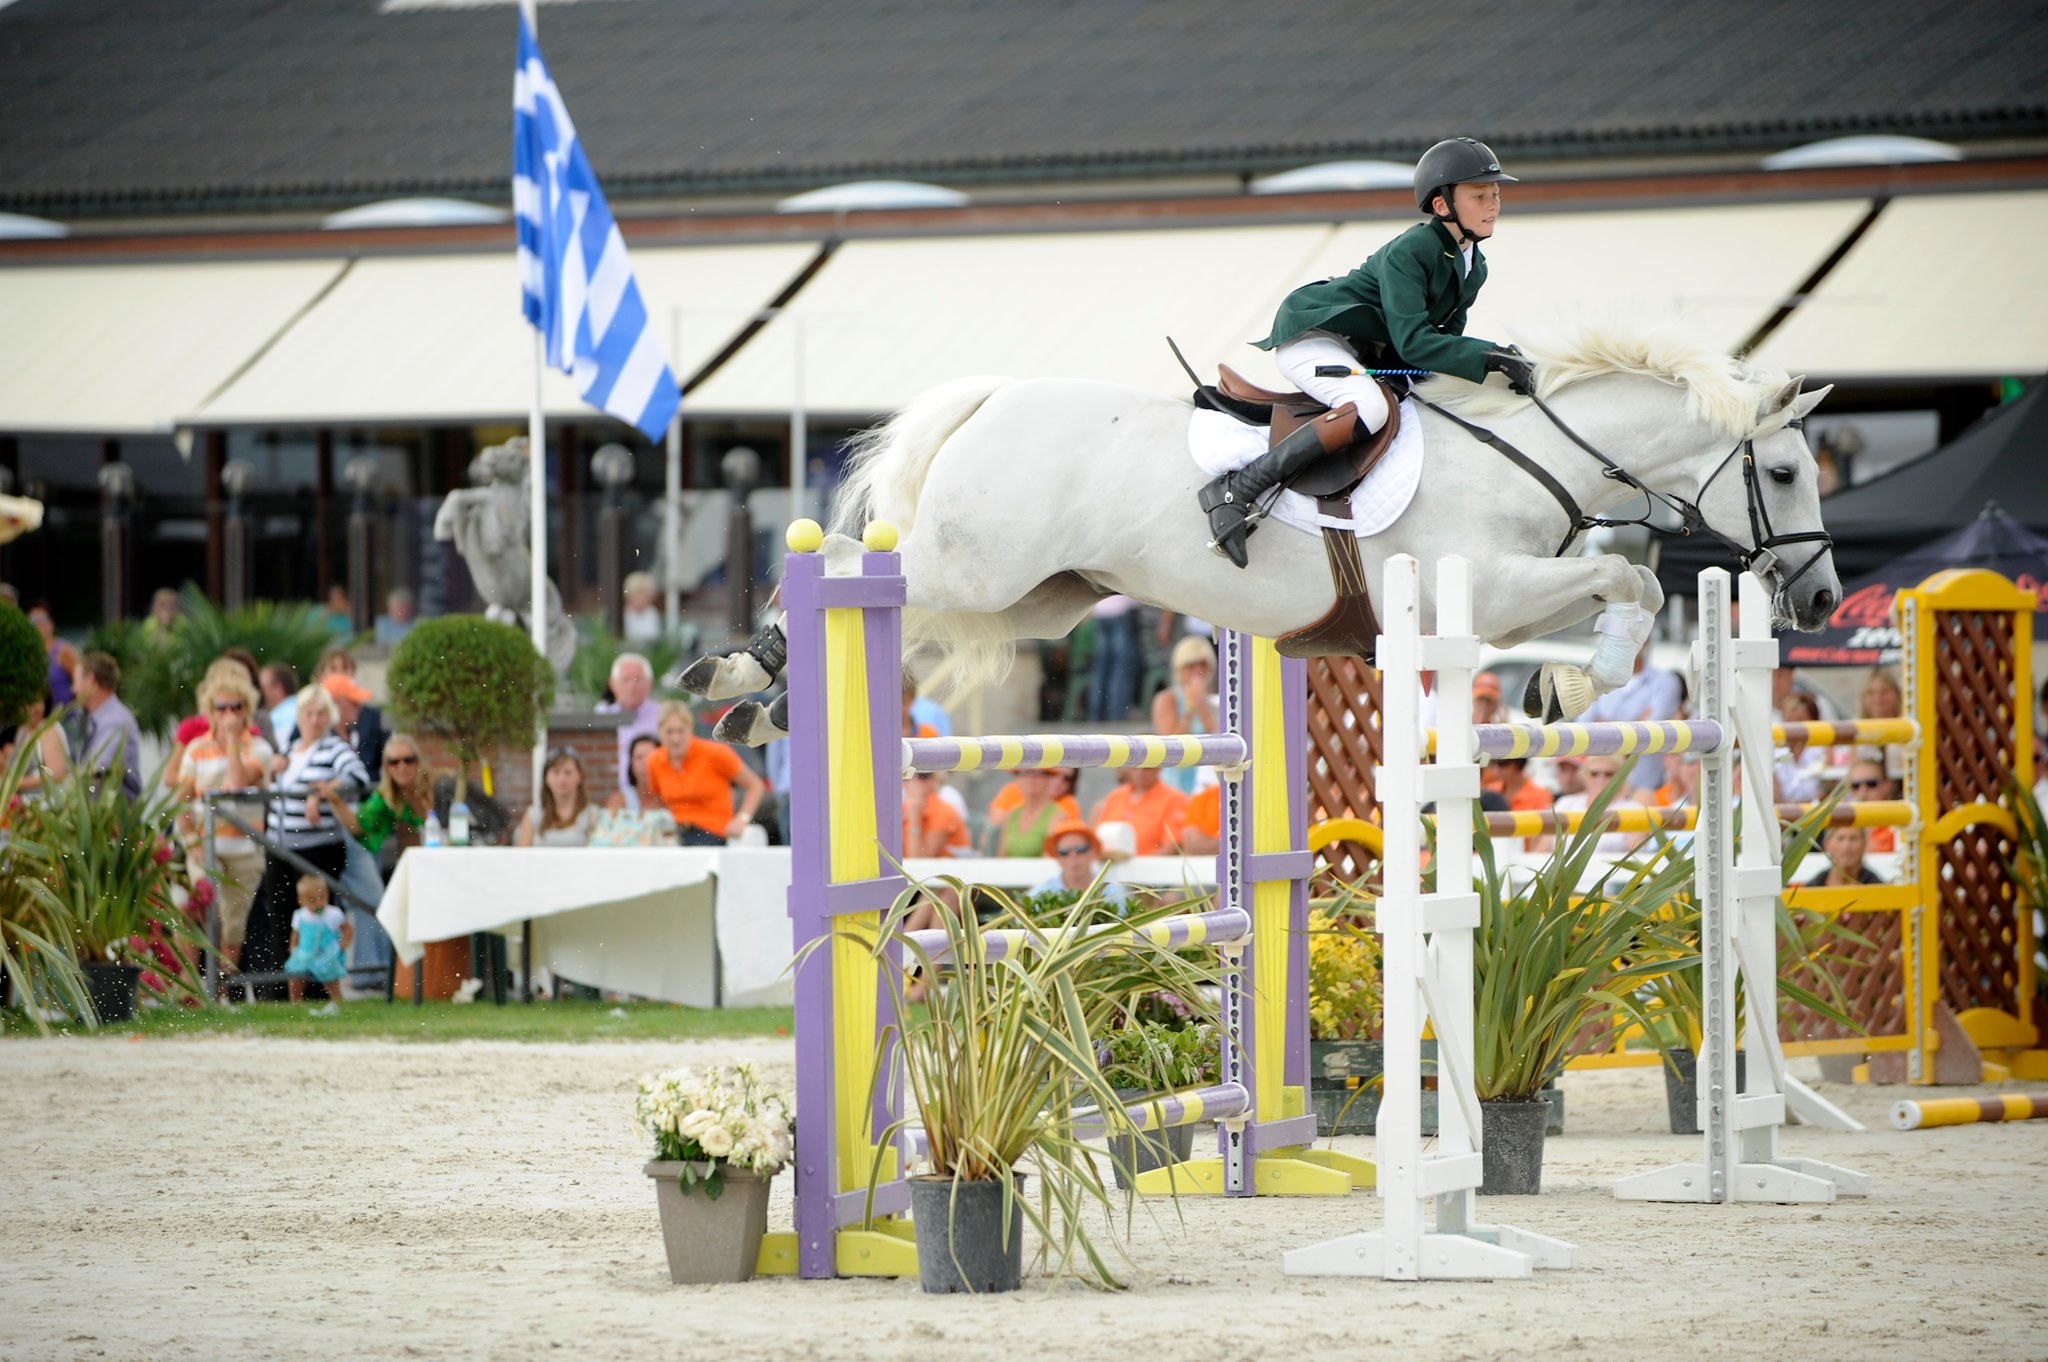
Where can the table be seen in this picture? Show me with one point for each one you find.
(706, 927)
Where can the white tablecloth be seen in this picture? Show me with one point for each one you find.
(643, 920)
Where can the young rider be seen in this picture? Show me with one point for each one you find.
(1403, 308)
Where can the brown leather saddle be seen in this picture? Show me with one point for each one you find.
(1350, 628)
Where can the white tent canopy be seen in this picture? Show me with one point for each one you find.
(441, 338)
(1926, 294)
(129, 349)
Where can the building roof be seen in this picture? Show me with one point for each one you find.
(154, 106)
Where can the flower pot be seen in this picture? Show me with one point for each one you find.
(707, 1240)
(960, 1241)
(1130, 1155)
(111, 987)
(1511, 1154)
(1343, 1063)
(1554, 1123)
(1681, 1088)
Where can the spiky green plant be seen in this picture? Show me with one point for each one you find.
(996, 1059)
(1555, 966)
(2029, 869)
(591, 670)
(107, 871)
(38, 947)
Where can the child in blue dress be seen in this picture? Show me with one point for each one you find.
(320, 941)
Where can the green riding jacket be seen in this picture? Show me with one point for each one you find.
(1410, 294)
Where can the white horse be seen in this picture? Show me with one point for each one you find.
(1021, 504)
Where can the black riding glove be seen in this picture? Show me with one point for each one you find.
(1520, 371)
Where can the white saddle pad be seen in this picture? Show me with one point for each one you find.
(1224, 444)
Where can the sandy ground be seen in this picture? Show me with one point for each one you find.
(287, 1200)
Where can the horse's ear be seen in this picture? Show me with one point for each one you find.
(1804, 403)
(1785, 396)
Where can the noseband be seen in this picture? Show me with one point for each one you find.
(1762, 558)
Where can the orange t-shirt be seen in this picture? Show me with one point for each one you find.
(1157, 816)
(944, 821)
(1205, 811)
(699, 792)
(1011, 796)
(1884, 839)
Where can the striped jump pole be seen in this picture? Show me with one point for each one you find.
(1969, 1111)
(848, 756)
(1882, 813)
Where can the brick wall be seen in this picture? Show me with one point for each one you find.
(594, 738)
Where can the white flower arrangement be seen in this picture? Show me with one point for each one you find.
(718, 1119)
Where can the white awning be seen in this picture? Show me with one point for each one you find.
(1718, 273)
(441, 338)
(885, 320)
(1943, 286)
(128, 349)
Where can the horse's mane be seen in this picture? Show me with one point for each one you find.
(1721, 391)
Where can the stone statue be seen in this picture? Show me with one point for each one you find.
(488, 524)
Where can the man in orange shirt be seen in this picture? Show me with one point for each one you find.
(1154, 809)
(693, 777)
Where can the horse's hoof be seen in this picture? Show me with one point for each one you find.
(726, 677)
(748, 724)
(1557, 693)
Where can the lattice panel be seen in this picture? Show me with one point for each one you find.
(1973, 758)
(1343, 750)
(1872, 978)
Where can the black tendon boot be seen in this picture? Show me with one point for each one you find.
(1230, 498)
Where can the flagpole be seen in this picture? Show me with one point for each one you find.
(672, 507)
(537, 506)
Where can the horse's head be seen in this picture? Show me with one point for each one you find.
(1765, 499)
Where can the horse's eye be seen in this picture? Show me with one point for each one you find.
(1784, 477)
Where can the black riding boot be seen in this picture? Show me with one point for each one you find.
(1229, 499)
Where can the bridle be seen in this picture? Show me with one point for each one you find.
(1761, 558)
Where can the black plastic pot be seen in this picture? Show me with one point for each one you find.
(111, 987)
(1511, 1154)
(1130, 1155)
(1681, 1088)
(960, 1241)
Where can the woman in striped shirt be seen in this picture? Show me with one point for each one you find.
(318, 773)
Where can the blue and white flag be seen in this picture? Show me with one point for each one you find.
(578, 284)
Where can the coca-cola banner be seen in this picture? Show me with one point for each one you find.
(1863, 632)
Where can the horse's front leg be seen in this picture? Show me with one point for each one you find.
(1537, 596)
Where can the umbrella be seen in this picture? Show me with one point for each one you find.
(1862, 632)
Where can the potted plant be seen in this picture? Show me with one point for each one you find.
(995, 1059)
(160, 671)
(110, 874)
(478, 683)
(1554, 967)
(1344, 1057)
(1147, 1058)
(1808, 940)
(39, 954)
(719, 1140)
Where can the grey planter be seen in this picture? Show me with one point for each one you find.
(960, 1242)
(1130, 1155)
(710, 1241)
(1681, 1090)
(1511, 1157)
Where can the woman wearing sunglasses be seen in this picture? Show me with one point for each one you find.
(396, 811)
(229, 755)
(1078, 853)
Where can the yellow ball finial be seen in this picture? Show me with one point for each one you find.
(804, 536)
(880, 537)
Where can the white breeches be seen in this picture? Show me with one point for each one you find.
(1299, 359)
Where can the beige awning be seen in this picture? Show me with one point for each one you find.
(129, 349)
(885, 320)
(442, 338)
(1718, 273)
(1945, 286)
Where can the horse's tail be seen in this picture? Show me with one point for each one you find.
(884, 478)
(886, 466)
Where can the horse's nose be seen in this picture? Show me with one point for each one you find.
(1823, 603)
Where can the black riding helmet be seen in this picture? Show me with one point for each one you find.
(1456, 161)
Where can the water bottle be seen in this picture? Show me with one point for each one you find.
(458, 824)
(430, 836)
